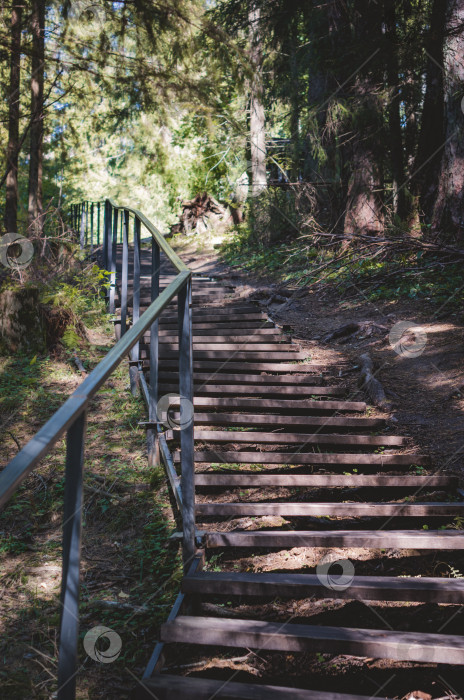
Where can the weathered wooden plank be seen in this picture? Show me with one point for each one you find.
(221, 366)
(166, 337)
(382, 460)
(198, 324)
(165, 687)
(373, 539)
(255, 437)
(259, 634)
(264, 390)
(248, 354)
(371, 510)
(323, 480)
(257, 379)
(286, 405)
(287, 585)
(240, 345)
(264, 421)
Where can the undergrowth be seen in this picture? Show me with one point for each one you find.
(130, 575)
(416, 275)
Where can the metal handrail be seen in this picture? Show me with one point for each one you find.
(71, 416)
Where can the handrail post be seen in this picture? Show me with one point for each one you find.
(72, 522)
(113, 262)
(91, 228)
(82, 231)
(106, 218)
(86, 209)
(135, 354)
(125, 270)
(186, 422)
(98, 224)
(152, 433)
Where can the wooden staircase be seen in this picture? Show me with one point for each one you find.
(269, 420)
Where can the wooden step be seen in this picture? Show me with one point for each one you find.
(285, 406)
(242, 310)
(253, 338)
(382, 460)
(342, 510)
(287, 637)
(241, 345)
(166, 687)
(372, 539)
(259, 438)
(323, 480)
(266, 420)
(254, 379)
(436, 590)
(248, 355)
(211, 317)
(249, 326)
(265, 389)
(235, 366)
(212, 334)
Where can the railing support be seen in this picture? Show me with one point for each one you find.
(125, 270)
(152, 433)
(113, 249)
(69, 628)
(91, 228)
(135, 355)
(82, 230)
(186, 422)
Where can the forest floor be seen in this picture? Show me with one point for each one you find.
(130, 575)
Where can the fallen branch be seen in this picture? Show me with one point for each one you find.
(352, 328)
(371, 385)
(79, 365)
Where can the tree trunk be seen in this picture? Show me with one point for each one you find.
(448, 212)
(37, 111)
(257, 115)
(364, 213)
(432, 133)
(394, 119)
(364, 207)
(11, 200)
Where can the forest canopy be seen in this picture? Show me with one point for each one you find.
(338, 118)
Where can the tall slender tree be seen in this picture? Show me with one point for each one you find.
(11, 201)
(37, 111)
(432, 128)
(257, 114)
(448, 213)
